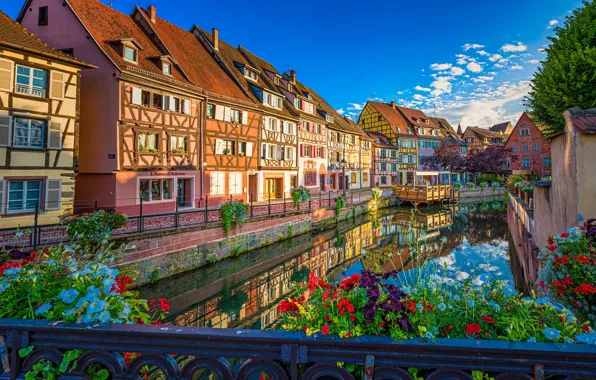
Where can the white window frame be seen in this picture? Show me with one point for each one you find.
(29, 120)
(24, 200)
(221, 189)
(135, 52)
(30, 89)
(11, 78)
(173, 188)
(235, 187)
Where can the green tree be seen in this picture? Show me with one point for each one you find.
(567, 76)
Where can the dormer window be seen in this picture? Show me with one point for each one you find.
(329, 118)
(272, 100)
(290, 87)
(418, 121)
(427, 122)
(130, 54)
(166, 68)
(276, 80)
(250, 74)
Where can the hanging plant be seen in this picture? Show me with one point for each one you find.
(232, 211)
(340, 202)
(300, 275)
(91, 230)
(471, 185)
(231, 301)
(483, 185)
(495, 185)
(457, 186)
(300, 195)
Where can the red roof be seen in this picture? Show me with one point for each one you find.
(584, 120)
(393, 117)
(108, 27)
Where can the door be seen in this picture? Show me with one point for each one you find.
(253, 194)
(182, 191)
(322, 181)
(273, 188)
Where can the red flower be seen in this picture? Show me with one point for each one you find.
(583, 259)
(487, 319)
(412, 307)
(586, 327)
(565, 235)
(553, 248)
(353, 317)
(551, 241)
(325, 330)
(473, 328)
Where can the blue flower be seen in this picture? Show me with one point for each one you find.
(542, 301)
(441, 306)
(4, 285)
(11, 271)
(509, 291)
(471, 303)
(96, 305)
(93, 291)
(586, 338)
(580, 218)
(485, 277)
(532, 340)
(551, 333)
(70, 311)
(43, 308)
(104, 316)
(68, 296)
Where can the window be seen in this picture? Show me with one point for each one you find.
(271, 124)
(42, 16)
(167, 68)
(536, 147)
(393, 153)
(383, 166)
(147, 142)
(145, 98)
(235, 116)
(320, 152)
(229, 147)
(352, 139)
(364, 176)
(290, 87)
(329, 118)
(250, 74)
(297, 103)
(310, 178)
(235, 183)
(29, 133)
(383, 180)
(383, 153)
(469, 140)
(210, 111)
(218, 183)
(524, 132)
(507, 164)
(130, 54)
(271, 100)
(24, 196)
(525, 163)
(525, 148)
(546, 161)
(337, 156)
(69, 51)
(514, 148)
(288, 128)
(394, 167)
(31, 81)
(276, 80)
(353, 177)
(409, 130)
(155, 189)
(157, 101)
(178, 144)
(307, 150)
(308, 107)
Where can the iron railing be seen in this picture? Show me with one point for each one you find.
(38, 235)
(187, 352)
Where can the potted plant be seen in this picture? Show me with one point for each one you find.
(226, 151)
(471, 185)
(300, 195)
(483, 185)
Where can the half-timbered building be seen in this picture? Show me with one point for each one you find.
(366, 155)
(386, 119)
(426, 128)
(278, 136)
(39, 127)
(478, 139)
(385, 169)
(141, 115)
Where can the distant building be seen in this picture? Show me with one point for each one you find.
(478, 139)
(385, 170)
(530, 152)
(505, 128)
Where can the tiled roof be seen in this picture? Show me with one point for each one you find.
(501, 127)
(584, 120)
(108, 27)
(195, 60)
(446, 128)
(12, 34)
(393, 117)
(485, 132)
(383, 139)
(413, 116)
(364, 135)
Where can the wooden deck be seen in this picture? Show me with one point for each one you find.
(425, 194)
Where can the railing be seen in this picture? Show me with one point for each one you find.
(188, 352)
(206, 213)
(425, 194)
(28, 90)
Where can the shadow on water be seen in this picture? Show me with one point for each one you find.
(243, 291)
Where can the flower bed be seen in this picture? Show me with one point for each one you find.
(568, 269)
(94, 228)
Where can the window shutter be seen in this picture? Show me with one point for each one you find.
(266, 122)
(244, 118)
(186, 106)
(301, 150)
(55, 135)
(248, 149)
(53, 194)
(6, 75)
(218, 146)
(5, 130)
(57, 85)
(219, 112)
(171, 103)
(136, 96)
(2, 197)
(263, 151)
(227, 113)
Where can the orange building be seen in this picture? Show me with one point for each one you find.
(530, 152)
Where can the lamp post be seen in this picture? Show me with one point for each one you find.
(343, 175)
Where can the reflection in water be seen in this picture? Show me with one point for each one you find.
(243, 292)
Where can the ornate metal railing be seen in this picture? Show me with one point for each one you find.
(187, 352)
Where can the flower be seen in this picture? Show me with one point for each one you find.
(487, 319)
(68, 296)
(472, 328)
(551, 333)
(509, 291)
(532, 340)
(43, 308)
(586, 338)
(441, 306)
(325, 330)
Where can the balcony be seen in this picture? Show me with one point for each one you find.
(31, 91)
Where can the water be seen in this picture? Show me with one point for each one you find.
(243, 292)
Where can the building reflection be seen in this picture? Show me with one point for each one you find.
(246, 295)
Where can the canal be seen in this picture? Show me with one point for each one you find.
(466, 240)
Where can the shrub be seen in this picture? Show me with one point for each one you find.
(340, 202)
(568, 270)
(457, 185)
(95, 228)
(495, 185)
(488, 178)
(483, 185)
(300, 195)
(471, 185)
(232, 211)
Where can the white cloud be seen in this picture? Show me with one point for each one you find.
(457, 71)
(341, 111)
(436, 93)
(551, 24)
(424, 89)
(355, 107)
(418, 97)
(483, 78)
(533, 61)
(474, 67)
(509, 48)
(440, 66)
(516, 67)
(442, 84)
(467, 47)
(495, 57)
(462, 59)
(482, 52)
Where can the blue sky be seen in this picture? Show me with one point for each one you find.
(424, 54)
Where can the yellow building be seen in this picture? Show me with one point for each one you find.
(39, 124)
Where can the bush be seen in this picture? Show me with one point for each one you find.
(232, 211)
(483, 185)
(471, 185)
(457, 185)
(300, 195)
(95, 228)
(568, 270)
(515, 178)
(340, 202)
(488, 178)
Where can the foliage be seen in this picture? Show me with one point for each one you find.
(457, 185)
(300, 195)
(447, 156)
(471, 185)
(515, 178)
(376, 193)
(483, 185)
(300, 275)
(495, 185)
(524, 186)
(340, 202)
(489, 160)
(567, 75)
(92, 229)
(489, 178)
(232, 211)
(568, 270)
(231, 302)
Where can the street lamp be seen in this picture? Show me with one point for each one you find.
(343, 171)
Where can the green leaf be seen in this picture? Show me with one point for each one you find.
(24, 352)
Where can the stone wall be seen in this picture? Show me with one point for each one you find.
(523, 246)
(464, 192)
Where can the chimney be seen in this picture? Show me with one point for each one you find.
(152, 13)
(393, 104)
(293, 76)
(215, 38)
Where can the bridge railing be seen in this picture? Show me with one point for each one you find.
(187, 352)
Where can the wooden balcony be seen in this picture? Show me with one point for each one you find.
(425, 194)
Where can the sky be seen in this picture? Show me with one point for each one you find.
(469, 61)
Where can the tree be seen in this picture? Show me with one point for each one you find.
(490, 160)
(567, 76)
(447, 156)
